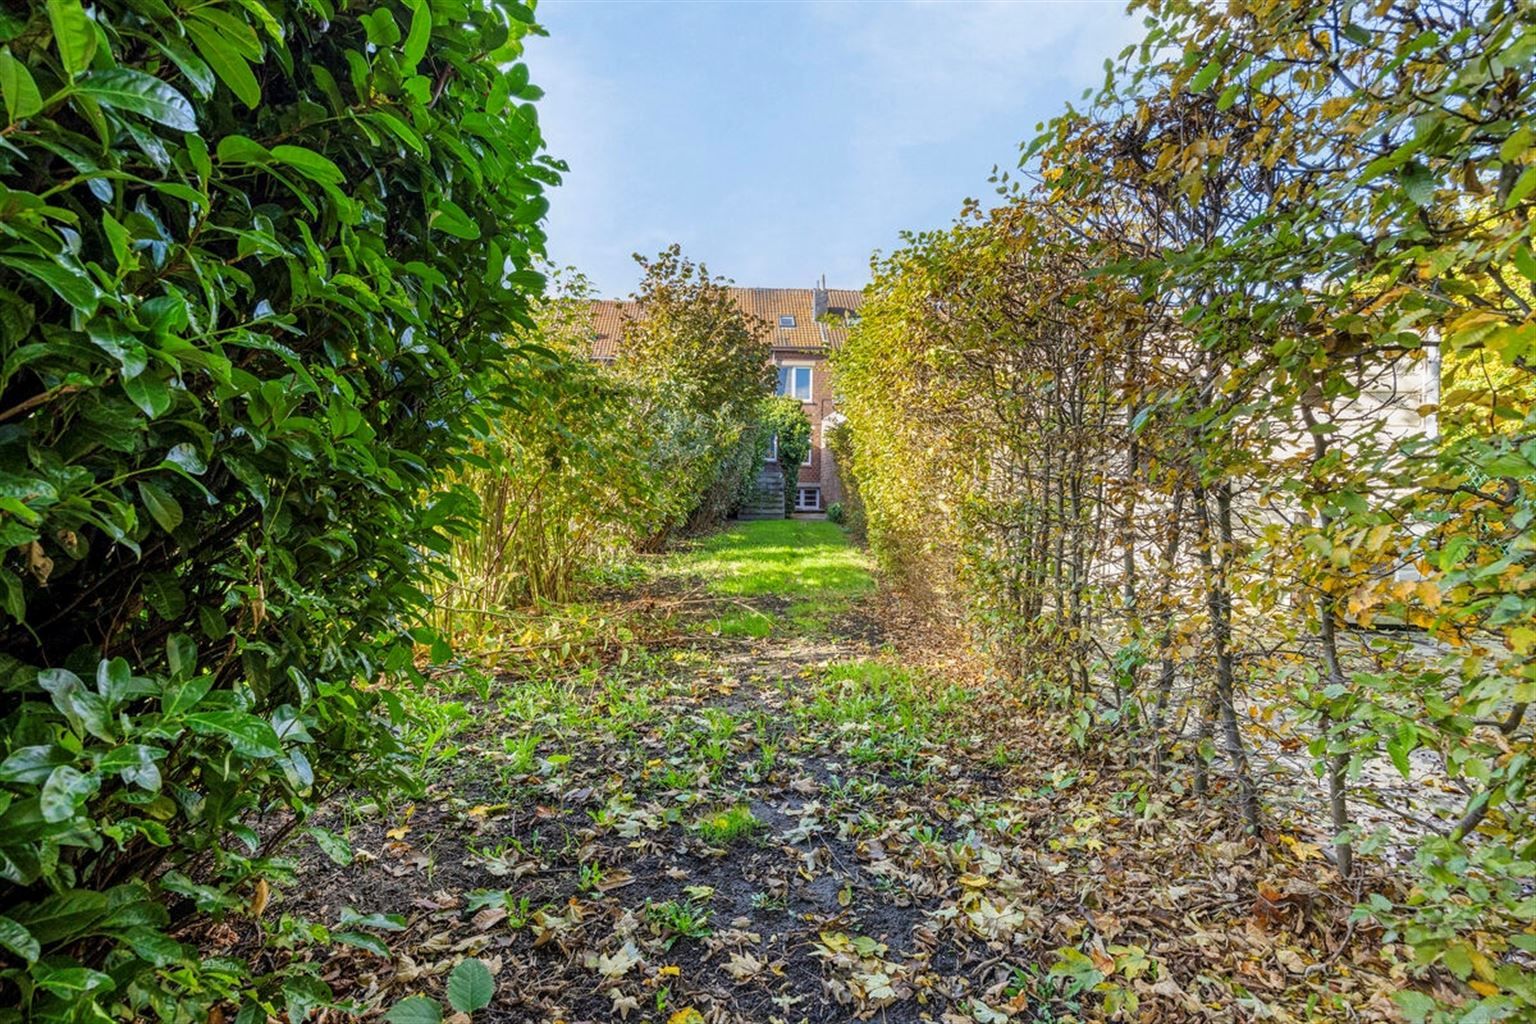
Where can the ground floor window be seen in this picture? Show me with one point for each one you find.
(808, 499)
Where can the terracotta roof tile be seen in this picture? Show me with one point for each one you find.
(844, 298)
(608, 317)
(768, 304)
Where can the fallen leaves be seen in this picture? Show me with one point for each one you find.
(616, 964)
(403, 829)
(623, 1004)
(886, 871)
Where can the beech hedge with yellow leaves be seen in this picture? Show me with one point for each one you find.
(1216, 435)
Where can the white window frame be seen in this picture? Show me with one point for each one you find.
(786, 316)
(789, 381)
(801, 491)
(809, 448)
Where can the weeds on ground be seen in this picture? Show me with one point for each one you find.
(728, 826)
(678, 919)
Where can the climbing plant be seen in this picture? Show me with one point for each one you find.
(783, 419)
(265, 265)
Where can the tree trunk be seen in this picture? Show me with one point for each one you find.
(1168, 666)
(1219, 605)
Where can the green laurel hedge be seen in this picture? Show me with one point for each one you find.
(259, 262)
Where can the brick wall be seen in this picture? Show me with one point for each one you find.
(821, 471)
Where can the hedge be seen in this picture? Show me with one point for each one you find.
(263, 262)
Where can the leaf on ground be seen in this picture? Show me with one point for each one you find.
(743, 967)
(489, 918)
(415, 1010)
(617, 964)
(470, 986)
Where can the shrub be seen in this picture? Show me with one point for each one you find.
(261, 262)
(835, 512)
(784, 418)
(560, 482)
(597, 458)
(697, 367)
(735, 479)
(839, 443)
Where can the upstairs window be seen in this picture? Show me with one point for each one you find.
(786, 321)
(795, 381)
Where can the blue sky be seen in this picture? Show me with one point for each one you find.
(782, 141)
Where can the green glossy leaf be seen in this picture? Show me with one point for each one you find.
(68, 282)
(1514, 147)
(164, 509)
(196, 70)
(113, 338)
(371, 943)
(382, 922)
(336, 847)
(1523, 187)
(87, 712)
(1205, 76)
(119, 239)
(150, 393)
(165, 596)
(178, 700)
(22, 99)
(73, 34)
(18, 940)
(309, 163)
(419, 36)
(1419, 184)
(135, 763)
(449, 217)
(236, 30)
(71, 982)
(180, 655)
(226, 62)
(383, 30)
(1525, 262)
(247, 734)
(124, 89)
(33, 764)
(62, 916)
(153, 945)
(240, 149)
(65, 792)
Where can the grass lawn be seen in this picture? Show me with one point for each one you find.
(806, 569)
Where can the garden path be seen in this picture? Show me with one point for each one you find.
(720, 795)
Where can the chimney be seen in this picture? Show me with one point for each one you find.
(819, 298)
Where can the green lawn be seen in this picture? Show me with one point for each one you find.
(808, 563)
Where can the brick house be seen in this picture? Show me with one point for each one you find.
(804, 326)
